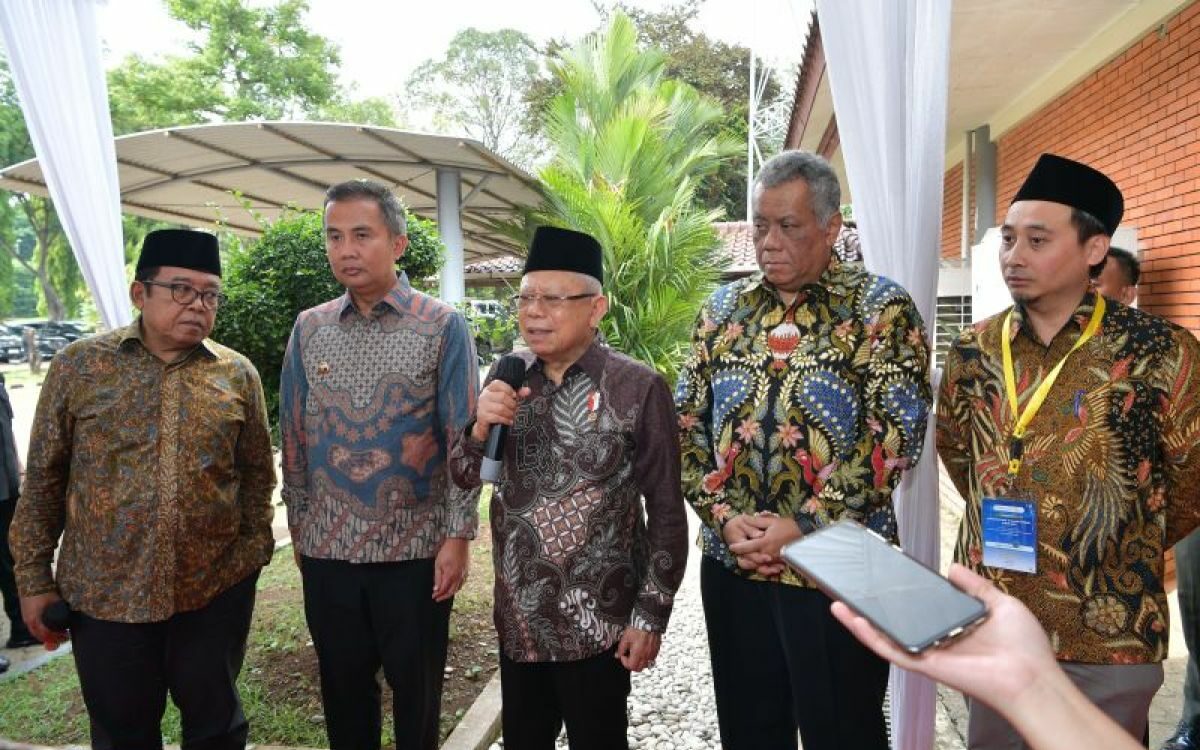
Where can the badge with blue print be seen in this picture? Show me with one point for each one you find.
(1010, 534)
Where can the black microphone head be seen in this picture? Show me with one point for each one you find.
(57, 616)
(510, 370)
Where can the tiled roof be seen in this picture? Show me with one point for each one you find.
(737, 239)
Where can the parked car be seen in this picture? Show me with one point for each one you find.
(12, 346)
(67, 329)
(47, 336)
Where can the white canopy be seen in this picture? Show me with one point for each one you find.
(201, 174)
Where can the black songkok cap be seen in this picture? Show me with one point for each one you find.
(1077, 185)
(557, 249)
(184, 248)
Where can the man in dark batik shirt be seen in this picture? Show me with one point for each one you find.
(802, 403)
(584, 585)
(1103, 454)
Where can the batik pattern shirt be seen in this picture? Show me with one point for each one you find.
(367, 407)
(1112, 460)
(158, 477)
(576, 560)
(810, 410)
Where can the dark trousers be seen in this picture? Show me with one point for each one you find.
(366, 615)
(8, 584)
(782, 663)
(126, 671)
(589, 695)
(1187, 576)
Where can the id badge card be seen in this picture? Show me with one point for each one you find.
(1010, 534)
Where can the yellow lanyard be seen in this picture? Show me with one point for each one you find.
(1016, 442)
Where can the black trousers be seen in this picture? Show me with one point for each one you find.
(126, 671)
(782, 663)
(366, 615)
(8, 584)
(589, 695)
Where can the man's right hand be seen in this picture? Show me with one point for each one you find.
(497, 404)
(32, 608)
(738, 529)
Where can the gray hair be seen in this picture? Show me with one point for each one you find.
(824, 192)
(368, 190)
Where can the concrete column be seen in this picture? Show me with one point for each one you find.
(449, 219)
(985, 182)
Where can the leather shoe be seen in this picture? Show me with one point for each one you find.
(1186, 737)
(3, 665)
(21, 640)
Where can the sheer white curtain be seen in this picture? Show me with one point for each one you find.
(53, 50)
(888, 73)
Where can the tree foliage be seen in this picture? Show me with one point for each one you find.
(247, 61)
(716, 69)
(630, 146)
(268, 282)
(479, 88)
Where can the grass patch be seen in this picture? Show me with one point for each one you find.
(278, 684)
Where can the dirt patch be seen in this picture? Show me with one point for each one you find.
(283, 662)
(279, 684)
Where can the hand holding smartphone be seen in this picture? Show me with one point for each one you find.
(909, 602)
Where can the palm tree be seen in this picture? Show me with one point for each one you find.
(630, 148)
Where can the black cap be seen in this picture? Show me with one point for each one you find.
(558, 249)
(1077, 185)
(183, 248)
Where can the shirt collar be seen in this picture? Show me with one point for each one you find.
(397, 298)
(835, 280)
(591, 362)
(133, 332)
(1077, 322)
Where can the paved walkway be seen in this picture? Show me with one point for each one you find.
(672, 707)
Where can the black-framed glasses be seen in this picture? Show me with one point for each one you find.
(186, 294)
(550, 301)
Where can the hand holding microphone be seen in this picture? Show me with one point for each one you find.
(496, 411)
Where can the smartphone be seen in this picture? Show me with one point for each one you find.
(908, 601)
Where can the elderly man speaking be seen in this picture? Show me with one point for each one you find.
(584, 581)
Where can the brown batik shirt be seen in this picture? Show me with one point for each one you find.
(1112, 461)
(158, 477)
(576, 560)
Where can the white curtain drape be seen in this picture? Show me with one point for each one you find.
(887, 63)
(53, 49)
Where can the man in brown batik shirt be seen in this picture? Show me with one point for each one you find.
(584, 583)
(150, 456)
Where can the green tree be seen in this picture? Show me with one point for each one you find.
(268, 282)
(630, 146)
(479, 88)
(716, 69)
(248, 61)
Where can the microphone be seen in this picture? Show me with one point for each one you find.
(511, 370)
(57, 616)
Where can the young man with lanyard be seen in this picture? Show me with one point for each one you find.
(1070, 424)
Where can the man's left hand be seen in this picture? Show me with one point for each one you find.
(450, 568)
(777, 531)
(638, 649)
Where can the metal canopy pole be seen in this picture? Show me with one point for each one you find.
(449, 208)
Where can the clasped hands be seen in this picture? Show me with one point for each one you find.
(756, 541)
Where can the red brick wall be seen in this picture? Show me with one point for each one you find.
(952, 213)
(1137, 119)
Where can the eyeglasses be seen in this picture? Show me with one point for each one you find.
(552, 302)
(186, 294)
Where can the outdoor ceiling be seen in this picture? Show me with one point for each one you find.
(999, 48)
(194, 175)
(999, 51)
